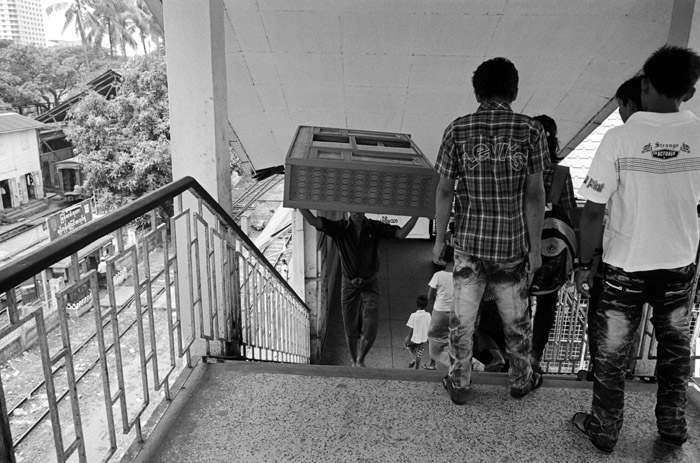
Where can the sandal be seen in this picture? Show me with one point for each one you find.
(429, 367)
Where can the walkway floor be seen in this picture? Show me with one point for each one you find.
(254, 412)
(246, 412)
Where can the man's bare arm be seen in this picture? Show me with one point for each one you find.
(592, 218)
(444, 196)
(534, 218)
(406, 229)
(309, 216)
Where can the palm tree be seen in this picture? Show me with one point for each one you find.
(145, 24)
(75, 12)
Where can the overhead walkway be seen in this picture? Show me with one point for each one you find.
(262, 412)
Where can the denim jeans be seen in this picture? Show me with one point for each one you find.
(509, 283)
(619, 315)
(438, 337)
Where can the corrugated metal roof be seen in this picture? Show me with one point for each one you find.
(13, 122)
(579, 160)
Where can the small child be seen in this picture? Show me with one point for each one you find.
(417, 337)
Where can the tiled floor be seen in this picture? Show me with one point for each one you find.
(405, 272)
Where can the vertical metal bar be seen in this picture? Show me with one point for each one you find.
(42, 340)
(139, 324)
(198, 282)
(104, 370)
(114, 311)
(72, 385)
(190, 288)
(153, 354)
(7, 452)
(208, 260)
(168, 300)
(74, 272)
(12, 305)
(178, 304)
(120, 241)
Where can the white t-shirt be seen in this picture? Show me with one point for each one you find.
(648, 172)
(443, 284)
(420, 322)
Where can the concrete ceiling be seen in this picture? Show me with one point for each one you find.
(406, 65)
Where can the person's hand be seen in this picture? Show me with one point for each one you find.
(534, 262)
(438, 248)
(584, 282)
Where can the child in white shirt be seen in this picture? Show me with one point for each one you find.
(417, 337)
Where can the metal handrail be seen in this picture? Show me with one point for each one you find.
(20, 270)
(232, 295)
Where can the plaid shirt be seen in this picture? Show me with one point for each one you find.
(567, 200)
(490, 153)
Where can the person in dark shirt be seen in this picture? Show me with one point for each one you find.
(357, 240)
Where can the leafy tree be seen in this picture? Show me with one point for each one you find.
(75, 13)
(42, 77)
(124, 143)
(118, 21)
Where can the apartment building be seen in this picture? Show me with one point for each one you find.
(22, 21)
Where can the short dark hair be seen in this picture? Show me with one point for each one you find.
(631, 90)
(422, 301)
(673, 71)
(496, 77)
(550, 128)
(448, 254)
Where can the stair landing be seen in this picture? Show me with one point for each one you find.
(254, 412)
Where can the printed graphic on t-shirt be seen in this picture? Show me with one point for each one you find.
(593, 184)
(665, 150)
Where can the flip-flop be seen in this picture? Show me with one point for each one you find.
(494, 367)
(429, 367)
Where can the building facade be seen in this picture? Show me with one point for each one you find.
(20, 170)
(22, 21)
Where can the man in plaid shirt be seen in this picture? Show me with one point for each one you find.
(495, 159)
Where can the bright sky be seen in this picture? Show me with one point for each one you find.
(53, 25)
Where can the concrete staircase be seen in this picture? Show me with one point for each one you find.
(255, 412)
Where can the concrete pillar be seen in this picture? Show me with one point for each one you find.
(198, 98)
(196, 59)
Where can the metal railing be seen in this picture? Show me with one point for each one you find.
(567, 351)
(105, 343)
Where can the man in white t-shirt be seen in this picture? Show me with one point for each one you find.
(648, 173)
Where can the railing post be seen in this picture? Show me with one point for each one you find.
(6, 450)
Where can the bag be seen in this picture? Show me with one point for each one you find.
(558, 242)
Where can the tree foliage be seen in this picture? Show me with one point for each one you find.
(119, 22)
(124, 143)
(32, 77)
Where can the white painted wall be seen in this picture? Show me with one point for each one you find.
(19, 155)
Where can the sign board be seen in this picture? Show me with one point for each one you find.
(421, 230)
(69, 219)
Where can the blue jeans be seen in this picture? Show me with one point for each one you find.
(509, 284)
(618, 317)
(438, 337)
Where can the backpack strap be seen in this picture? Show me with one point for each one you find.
(557, 185)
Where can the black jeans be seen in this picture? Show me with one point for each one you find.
(618, 317)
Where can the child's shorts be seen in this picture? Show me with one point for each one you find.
(416, 349)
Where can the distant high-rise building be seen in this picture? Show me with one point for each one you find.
(22, 21)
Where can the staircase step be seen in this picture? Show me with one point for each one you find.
(245, 411)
